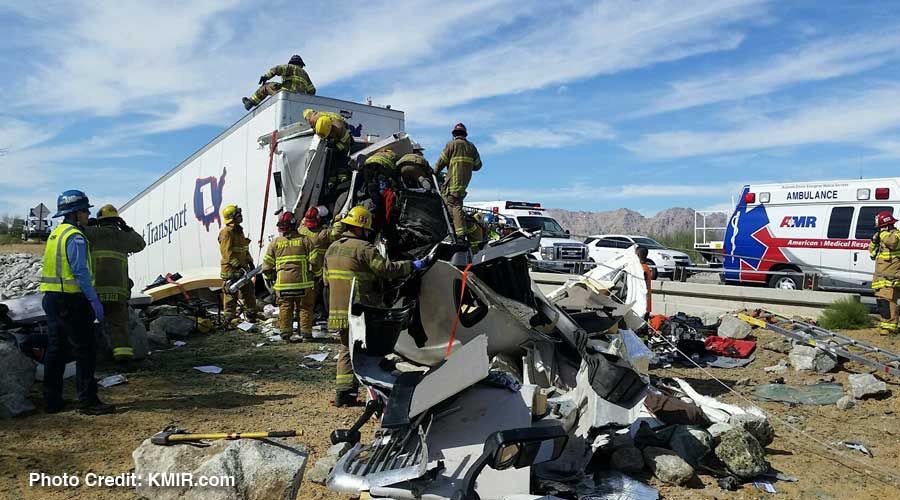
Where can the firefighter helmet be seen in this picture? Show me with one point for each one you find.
(459, 130)
(307, 112)
(107, 212)
(311, 219)
(884, 219)
(287, 222)
(359, 216)
(230, 212)
(295, 59)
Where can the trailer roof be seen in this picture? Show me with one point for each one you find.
(281, 96)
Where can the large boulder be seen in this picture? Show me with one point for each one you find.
(733, 328)
(170, 327)
(756, 425)
(667, 466)
(691, 443)
(864, 385)
(16, 378)
(270, 469)
(741, 453)
(806, 358)
(137, 332)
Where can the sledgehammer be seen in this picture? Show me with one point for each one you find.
(352, 435)
(173, 435)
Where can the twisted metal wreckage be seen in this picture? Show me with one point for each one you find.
(475, 373)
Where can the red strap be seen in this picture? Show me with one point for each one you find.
(179, 285)
(462, 292)
(262, 228)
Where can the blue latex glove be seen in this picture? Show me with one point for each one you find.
(419, 264)
(98, 310)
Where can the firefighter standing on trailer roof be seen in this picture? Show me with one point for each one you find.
(461, 158)
(884, 249)
(236, 260)
(289, 261)
(354, 257)
(293, 79)
(111, 241)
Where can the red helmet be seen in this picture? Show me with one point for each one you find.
(311, 219)
(884, 219)
(459, 129)
(287, 222)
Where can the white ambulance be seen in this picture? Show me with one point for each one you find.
(807, 227)
(558, 251)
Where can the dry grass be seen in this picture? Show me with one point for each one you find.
(36, 248)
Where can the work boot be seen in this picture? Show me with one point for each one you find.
(97, 407)
(248, 104)
(64, 405)
(345, 399)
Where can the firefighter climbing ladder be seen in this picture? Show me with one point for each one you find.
(840, 345)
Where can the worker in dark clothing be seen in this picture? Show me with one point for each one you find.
(111, 241)
(461, 158)
(72, 306)
(354, 257)
(293, 79)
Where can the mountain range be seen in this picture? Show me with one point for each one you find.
(624, 221)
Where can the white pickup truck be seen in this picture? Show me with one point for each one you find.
(662, 260)
(558, 251)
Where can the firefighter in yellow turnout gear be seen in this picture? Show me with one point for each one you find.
(354, 257)
(461, 158)
(312, 230)
(111, 241)
(288, 261)
(884, 249)
(329, 126)
(293, 79)
(236, 260)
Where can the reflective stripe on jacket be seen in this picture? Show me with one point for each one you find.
(57, 276)
(461, 158)
(288, 257)
(293, 78)
(235, 250)
(110, 247)
(351, 257)
(887, 259)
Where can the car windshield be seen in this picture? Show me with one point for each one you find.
(546, 225)
(648, 242)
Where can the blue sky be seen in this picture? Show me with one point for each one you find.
(580, 105)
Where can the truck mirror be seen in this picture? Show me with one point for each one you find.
(567, 232)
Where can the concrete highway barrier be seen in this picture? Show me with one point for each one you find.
(670, 297)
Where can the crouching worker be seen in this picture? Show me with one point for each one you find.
(288, 260)
(71, 305)
(111, 241)
(884, 249)
(354, 256)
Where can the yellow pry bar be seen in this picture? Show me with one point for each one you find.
(753, 321)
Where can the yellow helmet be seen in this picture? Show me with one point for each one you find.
(306, 113)
(323, 126)
(230, 212)
(360, 217)
(107, 212)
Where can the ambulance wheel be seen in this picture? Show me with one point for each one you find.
(785, 281)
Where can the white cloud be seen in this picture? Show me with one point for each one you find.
(560, 136)
(599, 39)
(838, 120)
(821, 60)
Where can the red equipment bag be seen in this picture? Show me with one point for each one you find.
(731, 348)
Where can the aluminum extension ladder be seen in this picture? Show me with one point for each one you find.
(839, 345)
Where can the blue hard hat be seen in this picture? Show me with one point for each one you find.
(71, 201)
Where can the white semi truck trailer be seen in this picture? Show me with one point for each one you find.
(179, 215)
